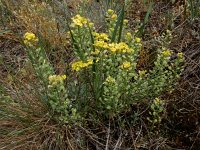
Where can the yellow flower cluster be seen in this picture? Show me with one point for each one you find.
(112, 14)
(76, 66)
(101, 44)
(96, 52)
(79, 21)
(55, 79)
(128, 35)
(166, 53)
(138, 40)
(120, 47)
(30, 38)
(114, 47)
(125, 21)
(100, 36)
(126, 65)
(110, 11)
(114, 17)
(110, 79)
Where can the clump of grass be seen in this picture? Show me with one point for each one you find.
(38, 17)
(25, 123)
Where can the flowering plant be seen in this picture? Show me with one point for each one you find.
(104, 78)
(105, 65)
(51, 85)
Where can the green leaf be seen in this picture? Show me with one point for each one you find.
(146, 19)
(121, 25)
(118, 24)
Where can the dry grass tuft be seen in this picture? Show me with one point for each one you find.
(38, 17)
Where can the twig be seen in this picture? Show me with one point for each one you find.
(108, 136)
(119, 139)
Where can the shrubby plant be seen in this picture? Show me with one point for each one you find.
(106, 79)
(105, 65)
(52, 85)
(156, 111)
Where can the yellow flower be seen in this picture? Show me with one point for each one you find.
(55, 79)
(125, 21)
(76, 66)
(112, 47)
(114, 17)
(110, 79)
(138, 40)
(126, 65)
(166, 53)
(79, 21)
(119, 47)
(96, 52)
(101, 44)
(30, 38)
(89, 62)
(101, 36)
(110, 11)
(123, 47)
(128, 34)
(91, 24)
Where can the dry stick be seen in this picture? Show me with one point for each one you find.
(179, 25)
(68, 141)
(119, 139)
(162, 143)
(135, 142)
(18, 145)
(91, 135)
(74, 139)
(108, 137)
(194, 141)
